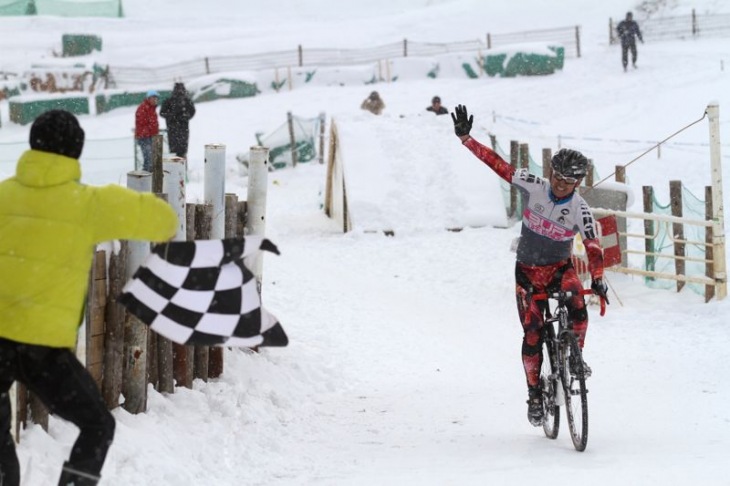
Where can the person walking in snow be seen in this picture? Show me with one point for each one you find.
(628, 31)
(177, 110)
(51, 224)
(554, 213)
(147, 126)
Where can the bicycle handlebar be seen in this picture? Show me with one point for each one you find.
(562, 295)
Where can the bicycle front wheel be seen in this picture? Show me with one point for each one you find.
(549, 383)
(574, 385)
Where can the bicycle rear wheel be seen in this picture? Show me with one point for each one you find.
(574, 384)
(549, 384)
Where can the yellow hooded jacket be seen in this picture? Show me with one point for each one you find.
(50, 224)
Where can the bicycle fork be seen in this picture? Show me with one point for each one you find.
(556, 377)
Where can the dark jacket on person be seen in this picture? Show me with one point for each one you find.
(440, 111)
(628, 31)
(177, 111)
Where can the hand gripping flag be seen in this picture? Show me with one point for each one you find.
(201, 293)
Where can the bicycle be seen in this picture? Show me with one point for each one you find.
(562, 377)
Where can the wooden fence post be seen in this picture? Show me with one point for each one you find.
(675, 198)
(588, 180)
(322, 123)
(620, 176)
(524, 164)
(153, 371)
(38, 411)
(203, 222)
(611, 38)
(231, 220)
(95, 307)
(709, 254)
(182, 355)
(331, 159)
(114, 332)
(162, 351)
(493, 141)
(547, 157)
(514, 159)
(292, 138)
(577, 41)
(650, 259)
(241, 218)
(157, 175)
(215, 357)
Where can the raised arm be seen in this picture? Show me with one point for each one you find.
(462, 127)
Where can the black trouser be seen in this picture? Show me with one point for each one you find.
(68, 390)
(625, 48)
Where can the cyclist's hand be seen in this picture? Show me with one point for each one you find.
(462, 121)
(598, 285)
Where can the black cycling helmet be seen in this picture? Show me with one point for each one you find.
(570, 163)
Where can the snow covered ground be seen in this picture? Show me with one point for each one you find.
(404, 362)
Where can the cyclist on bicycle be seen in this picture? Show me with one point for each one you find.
(553, 214)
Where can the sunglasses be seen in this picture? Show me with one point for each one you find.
(561, 178)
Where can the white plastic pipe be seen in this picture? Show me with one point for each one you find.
(173, 184)
(214, 187)
(258, 173)
(140, 181)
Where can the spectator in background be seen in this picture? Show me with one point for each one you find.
(436, 106)
(373, 103)
(52, 224)
(177, 110)
(146, 126)
(628, 31)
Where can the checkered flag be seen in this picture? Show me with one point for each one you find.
(201, 292)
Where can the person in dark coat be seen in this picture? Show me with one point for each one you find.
(436, 107)
(628, 31)
(177, 110)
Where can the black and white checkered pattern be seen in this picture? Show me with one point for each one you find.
(201, 293)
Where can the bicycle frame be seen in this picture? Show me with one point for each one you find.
(562, 377)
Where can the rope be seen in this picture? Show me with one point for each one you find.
(651, 148)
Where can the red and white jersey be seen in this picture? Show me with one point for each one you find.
(548, 225)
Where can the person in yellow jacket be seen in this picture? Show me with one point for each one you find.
(50, 224)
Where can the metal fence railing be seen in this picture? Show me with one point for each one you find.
(568, 37)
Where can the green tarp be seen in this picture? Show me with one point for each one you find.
(24, 112)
